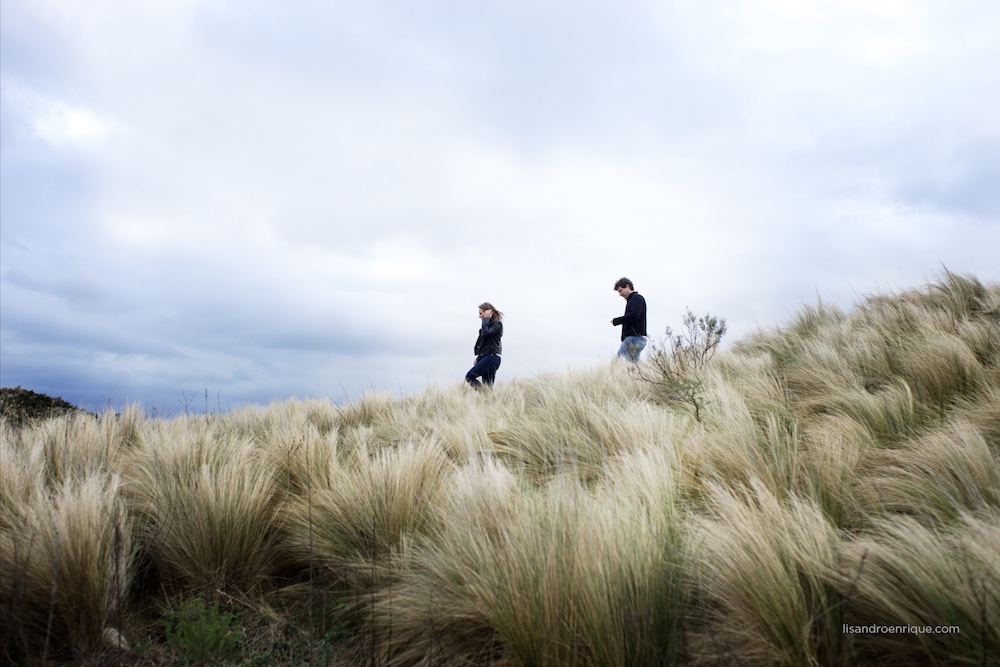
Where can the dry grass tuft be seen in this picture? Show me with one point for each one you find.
(765, 577)
(916, 575)
(354, 521)
(208, 510)
(65, 568)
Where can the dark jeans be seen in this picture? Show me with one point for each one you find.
(486, 368)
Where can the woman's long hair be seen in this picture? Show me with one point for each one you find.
(497, 315)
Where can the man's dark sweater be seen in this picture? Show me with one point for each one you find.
(633, 322)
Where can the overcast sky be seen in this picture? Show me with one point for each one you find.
(276, 199)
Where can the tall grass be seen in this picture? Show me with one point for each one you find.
(634, 583)
(354, 518)
(767, 571)
(923, 576)
(67, 539)
(207, 509)
(943, 474)
(556, 574)
(66, 566)
(844, 470)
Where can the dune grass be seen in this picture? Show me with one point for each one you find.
(843, 470)
(916, 575)
(207, 508)
(767, 578)
(67, 563)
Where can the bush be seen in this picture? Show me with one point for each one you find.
(20, 405)
(674, 368)
(201, 633)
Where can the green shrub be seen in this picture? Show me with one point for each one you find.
(202, 633)
(675, 368)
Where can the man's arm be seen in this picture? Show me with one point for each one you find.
(631, 316)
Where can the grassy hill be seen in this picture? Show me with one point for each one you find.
(19, 405)
(843, 472)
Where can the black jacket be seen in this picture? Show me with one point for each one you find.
(489, 338)
(634, 320)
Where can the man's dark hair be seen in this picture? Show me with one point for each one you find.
(624, 282)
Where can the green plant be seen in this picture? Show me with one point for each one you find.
(675, 367)
(21, 406)
(697, 344)
(202, 633)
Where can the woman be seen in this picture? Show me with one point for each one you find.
(487, 347)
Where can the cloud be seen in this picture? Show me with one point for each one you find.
(962, 181)
(313, 199)
(62, 125)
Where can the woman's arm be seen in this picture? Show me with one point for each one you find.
(491, 328)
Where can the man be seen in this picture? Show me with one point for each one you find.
(633, 322)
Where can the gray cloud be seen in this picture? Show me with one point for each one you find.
(960, 181)
(312, 200)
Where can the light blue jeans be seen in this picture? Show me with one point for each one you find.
(631, 347)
